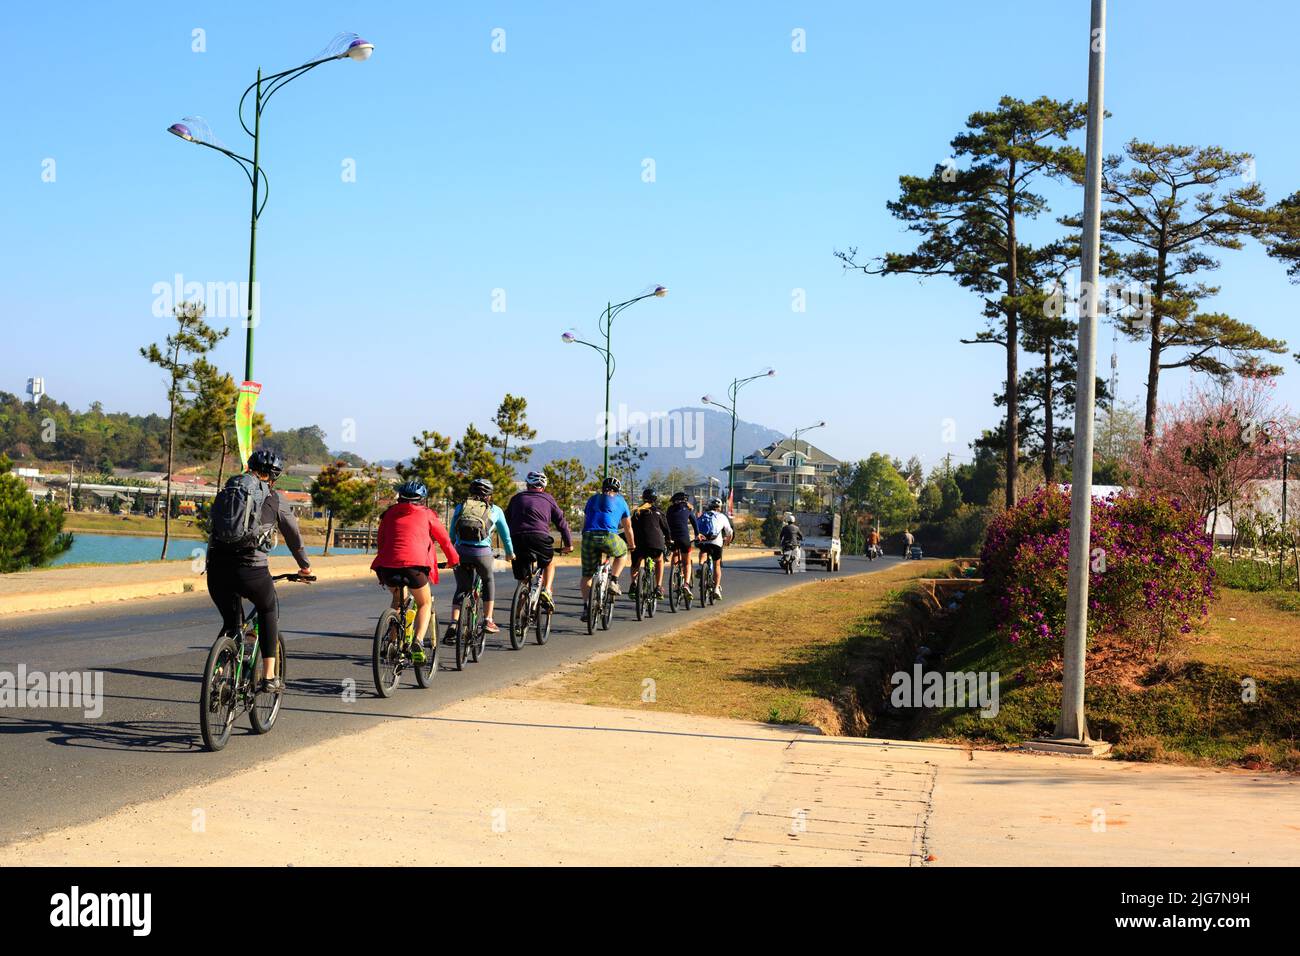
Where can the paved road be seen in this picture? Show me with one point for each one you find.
(59, 768)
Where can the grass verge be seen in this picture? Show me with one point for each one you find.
(1190, 707)
(779, 659)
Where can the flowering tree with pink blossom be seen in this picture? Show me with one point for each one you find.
(1151, 573)
(1210, 450)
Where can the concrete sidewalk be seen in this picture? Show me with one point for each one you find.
(501, 781)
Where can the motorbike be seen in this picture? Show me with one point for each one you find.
(789, 559)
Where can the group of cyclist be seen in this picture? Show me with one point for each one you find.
(411, 534)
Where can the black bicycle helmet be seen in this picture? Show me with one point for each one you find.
(412, 491)
(679, 497)
(480, 486)
(264, 461)
(611, 484)
(649, 495)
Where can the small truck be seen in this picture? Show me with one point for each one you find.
(821, 538)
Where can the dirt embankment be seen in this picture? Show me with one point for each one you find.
(911, 631)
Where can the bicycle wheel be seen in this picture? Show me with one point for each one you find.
(386, 653)
(607, 609)
(704, 587)
(266, 707)
(519, 615)
(638, 596)
(594, 601)
(424, 673)
(463, 634)
(217, 698)
(476, 636)
(543, 624)
(674, 583)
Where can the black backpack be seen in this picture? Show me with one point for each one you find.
(235, 521)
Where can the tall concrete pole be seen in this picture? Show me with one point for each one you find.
(1072, 726)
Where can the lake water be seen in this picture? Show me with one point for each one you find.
(125, 548)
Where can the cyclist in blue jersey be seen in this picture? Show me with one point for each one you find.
(605, 515)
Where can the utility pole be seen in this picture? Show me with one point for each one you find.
(1072, 727)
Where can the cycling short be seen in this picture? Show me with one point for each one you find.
(640, 554)
(596, 544)
(712, 550)
(537, 549)
(682, 547)
(415, 577)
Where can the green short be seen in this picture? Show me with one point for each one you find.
(596, 544)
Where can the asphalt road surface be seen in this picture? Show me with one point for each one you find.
(58, 768)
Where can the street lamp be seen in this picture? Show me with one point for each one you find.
(605, 324)
(732, 391)
(194, 129)
(793, 475)
(1072, 727)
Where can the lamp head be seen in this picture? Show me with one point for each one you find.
(568, 338)
(661, 291)
(707, 399)
(181, 130)
(360, 49)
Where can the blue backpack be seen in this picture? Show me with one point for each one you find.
(707, 525)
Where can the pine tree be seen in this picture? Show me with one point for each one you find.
(1169, 206)
(192, 339)
(207, 425)
(511, 421)
(967, 220)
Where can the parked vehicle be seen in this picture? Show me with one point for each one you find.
(821, 538)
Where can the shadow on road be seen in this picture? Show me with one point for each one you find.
(140, 736)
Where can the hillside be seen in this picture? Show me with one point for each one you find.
(699, 439)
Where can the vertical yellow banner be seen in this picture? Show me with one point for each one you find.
(248, 392)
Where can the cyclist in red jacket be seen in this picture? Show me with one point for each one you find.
(407, 533)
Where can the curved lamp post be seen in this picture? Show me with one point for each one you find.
(793, 475)
(193, 129)
(605, 323)
(732, 391)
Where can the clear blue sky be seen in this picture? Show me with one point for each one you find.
(522, 171)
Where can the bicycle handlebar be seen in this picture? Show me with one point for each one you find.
(295, 576)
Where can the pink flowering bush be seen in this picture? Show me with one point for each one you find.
(1151, 571)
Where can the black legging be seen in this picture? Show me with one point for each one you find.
(481, 560)
(229, 584)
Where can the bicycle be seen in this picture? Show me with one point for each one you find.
(394, 646)
(643, 588)
(471, 634)
(230, 683)
(526, 610)
(679, 581)
(708, 579)
(600, 605)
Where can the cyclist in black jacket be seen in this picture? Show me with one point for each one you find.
(234, 575)
(651, 532)
(683, 529)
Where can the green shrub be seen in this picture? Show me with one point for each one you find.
(1247, 574)
(31, 534)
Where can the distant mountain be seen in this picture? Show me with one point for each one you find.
(691, 438)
